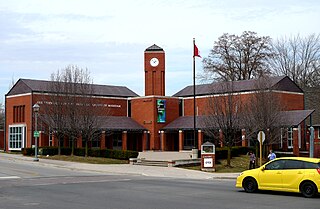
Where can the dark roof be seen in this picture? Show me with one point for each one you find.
(186, 123)
(312, 101)
(291, 118)
(28, 86)
(281, 83)
(154, 48)
(295, 117)
(119, 123)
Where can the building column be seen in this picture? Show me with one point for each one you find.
(65, 142)
(163, 141)
(54, 140)
(42, 140)
(79, 142)
(181, 140)
(244, 141)
(144, 140)
(109, 141)
(221, 138)
(295, 142)
(200, 139)
(103, 140)
(124, 140)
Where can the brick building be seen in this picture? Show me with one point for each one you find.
(153, 121)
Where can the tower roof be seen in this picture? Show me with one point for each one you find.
(154, 48)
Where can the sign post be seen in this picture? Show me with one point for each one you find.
(261, 138)
(208, 153)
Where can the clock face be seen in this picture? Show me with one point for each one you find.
(154, 62)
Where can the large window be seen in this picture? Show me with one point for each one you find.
(290, 138)
(17, 137)
(117, 140)
(189, 140)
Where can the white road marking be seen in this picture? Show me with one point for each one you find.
(9, 177)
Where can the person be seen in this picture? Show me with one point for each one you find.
(271, 155)
(252, 157)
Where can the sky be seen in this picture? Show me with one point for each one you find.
(108, 37)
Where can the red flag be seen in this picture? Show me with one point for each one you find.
(196, 52)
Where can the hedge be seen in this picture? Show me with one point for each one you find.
(94, 152)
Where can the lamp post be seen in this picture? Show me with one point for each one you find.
(36, 108)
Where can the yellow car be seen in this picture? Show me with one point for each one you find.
(287, 174)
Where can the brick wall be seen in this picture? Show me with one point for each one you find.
(1, 139)
(144, 111)
(289, 102)
(154, 76)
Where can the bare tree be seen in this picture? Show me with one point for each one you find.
(1, 116)
(299, 59)
(238, 57)
(71, 111)
(54, 109)
(224, 117)
(263, 110)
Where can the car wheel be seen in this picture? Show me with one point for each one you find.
(308, 189)
(250, 185)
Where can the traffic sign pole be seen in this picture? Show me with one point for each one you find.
(260, 140)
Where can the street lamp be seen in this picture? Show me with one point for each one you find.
(36, 108)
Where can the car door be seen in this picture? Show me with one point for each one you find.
(292, 174)
(271, 176)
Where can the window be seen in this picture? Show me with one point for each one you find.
(282, 136)
(19, 114)
(275, 165)
(117, 141)
(50, 139)
(293, 164)
(290, 137)
(188, 140)
(17, 137)
(309, 165)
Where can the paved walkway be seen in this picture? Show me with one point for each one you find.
(168, 172)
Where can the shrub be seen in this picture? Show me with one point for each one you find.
(79, 152)
(28, 151)
(48, 151)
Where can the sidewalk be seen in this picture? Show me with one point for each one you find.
(153, 171)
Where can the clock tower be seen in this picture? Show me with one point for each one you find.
(154, 68)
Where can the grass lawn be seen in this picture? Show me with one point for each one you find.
(238, 164)
(92, 160)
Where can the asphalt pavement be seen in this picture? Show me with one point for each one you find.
(152, 171)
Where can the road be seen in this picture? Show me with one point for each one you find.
(24, 184)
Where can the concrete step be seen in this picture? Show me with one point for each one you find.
(165, 155)
(151, 163)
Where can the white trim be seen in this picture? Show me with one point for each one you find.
(239, 93)
(299, 136)
(19, 95)
(96, 97)
(154, 96)
(182, 107)
(291, 139)
(23, 136)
